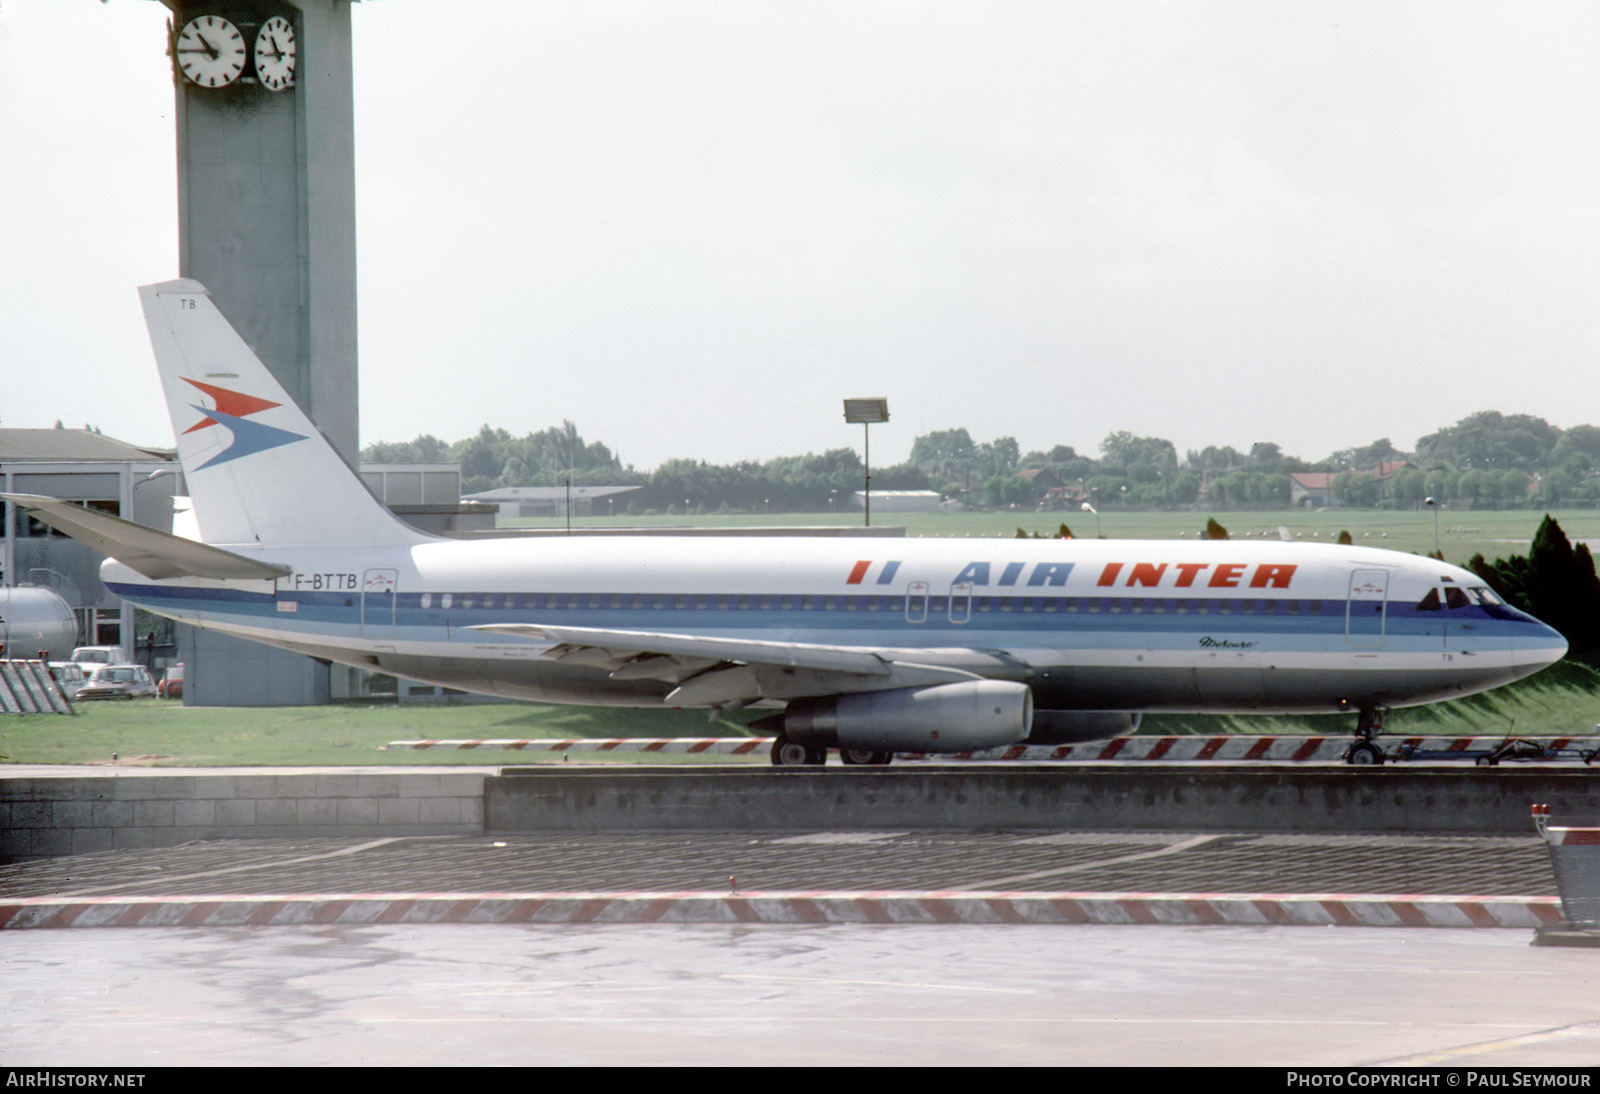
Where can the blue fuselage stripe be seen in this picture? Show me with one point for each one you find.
(1066, 620)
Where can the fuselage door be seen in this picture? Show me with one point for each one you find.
(378, 595)
(1366, 611)
(961, 602)
(917, 602)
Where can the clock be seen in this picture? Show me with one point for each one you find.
(211, 51)
(275, 53)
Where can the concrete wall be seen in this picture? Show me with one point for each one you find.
(98, 811)
(1177, 797)
(77, 814)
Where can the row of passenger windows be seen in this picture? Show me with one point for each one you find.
(915, 605)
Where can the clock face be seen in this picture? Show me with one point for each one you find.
(211, 51)
(275, 53)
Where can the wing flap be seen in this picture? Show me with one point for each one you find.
(624, 644)
(710, 670)
(153, 553)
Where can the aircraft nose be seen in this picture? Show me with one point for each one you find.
(1541, 647)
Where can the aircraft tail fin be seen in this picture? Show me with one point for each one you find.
(257, 469)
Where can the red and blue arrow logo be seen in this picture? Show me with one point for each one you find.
(231, 410)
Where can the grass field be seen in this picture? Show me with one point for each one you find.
(1462, 533)
(168, 734)
(1561, 701)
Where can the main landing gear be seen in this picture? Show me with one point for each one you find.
(1364, 750)
(787, 753)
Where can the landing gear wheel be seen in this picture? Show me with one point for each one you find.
(787, 753)
(865, 756)
(1363, 753)
(1369, 724)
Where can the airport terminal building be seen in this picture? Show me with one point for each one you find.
(98, 472)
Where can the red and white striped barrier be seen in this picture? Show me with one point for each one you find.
(1179, 909)
(1166, 749)
(731, 746)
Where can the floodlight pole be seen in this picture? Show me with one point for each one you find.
(866, 411)
(866, 468)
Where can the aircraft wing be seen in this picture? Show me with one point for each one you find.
(709, 670)
(153, 553)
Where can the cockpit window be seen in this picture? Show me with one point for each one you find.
(1453, 598)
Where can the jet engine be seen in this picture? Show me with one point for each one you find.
(943, 718)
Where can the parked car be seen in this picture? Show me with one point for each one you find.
(69, 677)
(90, 656)
(171, 686)
(118, 682)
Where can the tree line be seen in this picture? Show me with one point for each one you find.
(1489, 460)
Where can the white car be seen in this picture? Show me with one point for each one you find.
(90, 656)
(69, 677)
(118, 682)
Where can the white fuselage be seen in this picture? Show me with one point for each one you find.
(1087, 624)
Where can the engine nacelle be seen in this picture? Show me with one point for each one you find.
(1063, 727)
(943, 718)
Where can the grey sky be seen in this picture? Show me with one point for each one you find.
(694, 227)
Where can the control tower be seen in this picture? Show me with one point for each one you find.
(266, 221)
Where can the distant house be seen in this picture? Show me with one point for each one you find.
(1385, 471)
(1314, 489)
(1043, 479)
(1063, 497)
(1311, 489)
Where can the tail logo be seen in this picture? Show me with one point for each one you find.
(231, 412)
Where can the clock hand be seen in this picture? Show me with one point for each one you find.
(210, 49)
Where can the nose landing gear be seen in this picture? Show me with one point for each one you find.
(1364, 751)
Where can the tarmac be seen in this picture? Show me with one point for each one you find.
(788, 877)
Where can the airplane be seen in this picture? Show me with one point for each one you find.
(866, 647)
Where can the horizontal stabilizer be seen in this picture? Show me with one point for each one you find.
(154, 554)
